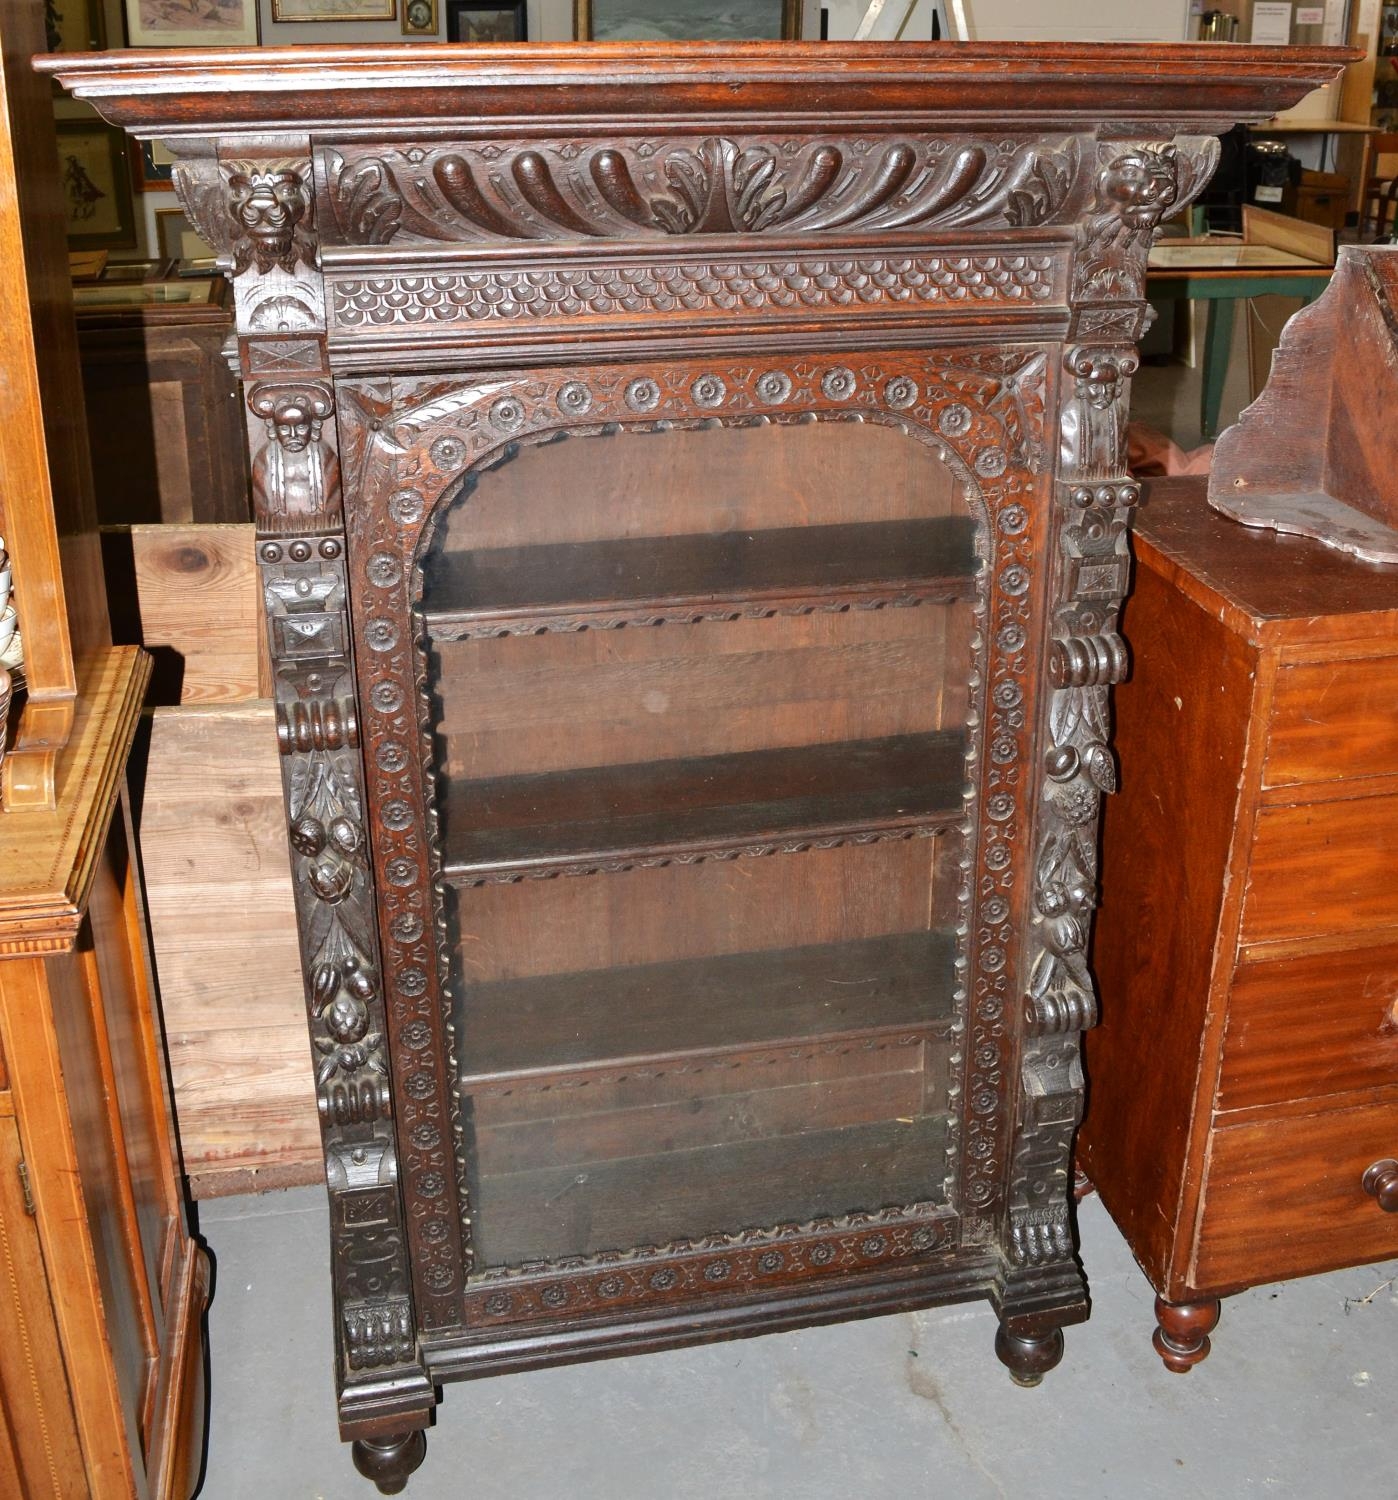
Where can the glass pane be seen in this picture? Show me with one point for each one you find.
(701, 705)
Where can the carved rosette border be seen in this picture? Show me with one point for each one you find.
(681, 1272)
(982, 411)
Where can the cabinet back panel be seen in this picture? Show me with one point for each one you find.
(687, 911)
(680, 481)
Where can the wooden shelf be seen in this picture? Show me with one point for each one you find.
(649, 1013)
(645, 580)
(761, 801)
(582, 1208)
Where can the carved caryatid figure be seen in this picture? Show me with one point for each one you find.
(296, 476)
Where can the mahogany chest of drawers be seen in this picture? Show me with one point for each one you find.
(1242, 1118)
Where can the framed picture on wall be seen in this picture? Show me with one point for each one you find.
(419, 17)
(152, 167)
(75, 25)
(473, 21)
(334, 10)
(177, 239)
(92, 168)
(686, 20)
(191, 23)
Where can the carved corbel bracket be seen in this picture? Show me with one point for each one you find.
(270, 206)
(295, 466)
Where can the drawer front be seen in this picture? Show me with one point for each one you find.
(1302, 1028)
(1325, 869)
(1333, 721)
(1283, 1197)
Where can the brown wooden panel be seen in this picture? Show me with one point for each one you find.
(218, 889)
(1294, 1185)
(1181, 749)
(699, 1006)
(1301, 1028)
(1333, 720)
(190, 595)
(39, 1454)
(1322, 869)
(729, 479)
(719, 801)
(822, 896)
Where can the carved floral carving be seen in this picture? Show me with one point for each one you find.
(634, 188)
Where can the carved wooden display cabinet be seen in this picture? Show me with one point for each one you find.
(693, 518)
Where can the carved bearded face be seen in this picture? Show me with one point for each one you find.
(1143, 183)
(293, 426)
(267, 204)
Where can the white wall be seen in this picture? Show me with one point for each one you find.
(1077, 20)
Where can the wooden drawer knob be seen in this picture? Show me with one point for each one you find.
(1381, 1180)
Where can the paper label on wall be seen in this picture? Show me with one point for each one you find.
(1271, 23)
(1310, 15)
(1336, 15)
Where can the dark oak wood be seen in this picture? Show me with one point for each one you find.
(1241, 1084)
(164, 415)
(519, 588)
(443, 260)
(604, 815)
(649, 1012)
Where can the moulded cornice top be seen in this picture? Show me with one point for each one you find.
(1016, 85)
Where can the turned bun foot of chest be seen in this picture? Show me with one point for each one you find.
(1028, 1357)
(1181, 1337)
(388, 1461)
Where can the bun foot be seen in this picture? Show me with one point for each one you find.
(1028, 1357)
(1181, 1337)
(389, 1460)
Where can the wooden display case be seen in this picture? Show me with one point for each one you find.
(692, 521)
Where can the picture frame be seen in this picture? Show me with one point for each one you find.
(479, 21)
(420, 18)
(152, 166)
(302, 11)
(685, 20)
(191, 23)
(94, 173)
(177, 239)
(75, 25)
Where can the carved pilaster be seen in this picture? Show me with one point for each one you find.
(261, 208)
(1086, 655)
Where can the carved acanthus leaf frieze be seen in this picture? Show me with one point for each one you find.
(627, 189)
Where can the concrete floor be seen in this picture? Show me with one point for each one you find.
(1297, 1398)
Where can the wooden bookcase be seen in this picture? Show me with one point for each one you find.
(692, 521)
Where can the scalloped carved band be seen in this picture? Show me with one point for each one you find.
(538, 294)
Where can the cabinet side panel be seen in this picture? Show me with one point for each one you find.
(39, 1453)
(1181, 732)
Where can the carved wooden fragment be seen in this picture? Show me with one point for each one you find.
(1310, 457)
(430, 292)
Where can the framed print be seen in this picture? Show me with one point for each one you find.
(151, 167)
(334, 10)
(75, 25)
(191, 23)
(479, 21)
(134, 270)
(177, 239)
(419, 17)
(686, 20)
(92, 169)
